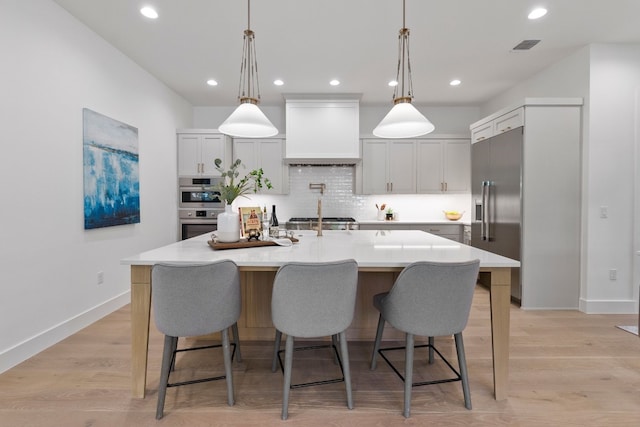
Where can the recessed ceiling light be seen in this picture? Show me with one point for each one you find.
(455, 82)
(212, 82)
(149, 12)
(393, 83)
(537, 13)
(278, 82)
(334, 82)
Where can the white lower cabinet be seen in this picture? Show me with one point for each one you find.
(450, 231)
(265, 153)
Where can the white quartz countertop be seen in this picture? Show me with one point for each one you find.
(370, 248)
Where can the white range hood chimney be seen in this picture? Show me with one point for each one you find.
(322, 128)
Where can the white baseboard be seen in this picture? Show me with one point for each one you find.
(609, 306)
(32, 346)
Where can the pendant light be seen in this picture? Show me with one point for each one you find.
(248, 121)
(404, 120)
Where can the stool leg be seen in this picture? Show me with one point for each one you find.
(462, 364)
(408, 374)
(276, 350)
(431, 343)
(334, 341)
(344, 353)
(236, 340)
(167, 356)
(226, 352)
(376, 344)
(173, 357)
(288, 363)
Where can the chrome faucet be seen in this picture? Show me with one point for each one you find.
(319, 217)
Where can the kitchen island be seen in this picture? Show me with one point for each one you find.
(380, 255)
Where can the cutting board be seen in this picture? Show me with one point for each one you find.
(245, 244)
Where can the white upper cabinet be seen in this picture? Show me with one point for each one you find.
(198, 149)
(388, 166)
(265, 153)
(322, 130)
(443, 166)
(497, 125)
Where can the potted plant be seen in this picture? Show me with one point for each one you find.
(232, 187)
(389, 214)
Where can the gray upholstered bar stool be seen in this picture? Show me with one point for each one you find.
(312, 300)
(428, 299)
(193, 300)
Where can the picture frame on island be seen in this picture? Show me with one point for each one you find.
(250, 219)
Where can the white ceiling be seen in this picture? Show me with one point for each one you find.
(306, 43)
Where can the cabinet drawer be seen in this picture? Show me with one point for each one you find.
(509, 121)
(483, 131)
(443, 229)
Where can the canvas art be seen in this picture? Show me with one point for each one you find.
(111, 179)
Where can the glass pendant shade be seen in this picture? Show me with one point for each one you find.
(248, 121)
(403, 121)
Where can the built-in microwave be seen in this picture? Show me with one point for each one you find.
(199, 192)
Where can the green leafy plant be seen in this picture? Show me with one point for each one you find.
(231, 187)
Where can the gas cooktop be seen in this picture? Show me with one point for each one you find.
(328, 223)
(324, 219)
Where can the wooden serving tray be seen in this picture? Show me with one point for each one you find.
(245, 244)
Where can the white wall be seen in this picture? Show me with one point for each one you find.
(615, 77)
(606, 76)
(53, 66)
(566, 78)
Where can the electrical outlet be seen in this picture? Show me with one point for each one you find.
(613, 274)
(604, 212)
(100, 277)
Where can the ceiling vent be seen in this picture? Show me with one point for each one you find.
(526, 44)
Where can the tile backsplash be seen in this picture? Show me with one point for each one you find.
(339, 199)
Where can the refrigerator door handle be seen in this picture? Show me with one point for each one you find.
(483, 212)
(487, 212)
(484, 219)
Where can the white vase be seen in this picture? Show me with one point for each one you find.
(228, 225)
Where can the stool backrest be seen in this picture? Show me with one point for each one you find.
(432, 298)
(314, 299)
(191, 300)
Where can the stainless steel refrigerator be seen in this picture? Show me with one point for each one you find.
(496, 187)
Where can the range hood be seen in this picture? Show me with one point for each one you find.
(322, 129)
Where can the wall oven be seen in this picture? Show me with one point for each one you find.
(199, 192)
(194, 222)
(199, 205)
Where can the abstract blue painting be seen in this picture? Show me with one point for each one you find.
(111, 178)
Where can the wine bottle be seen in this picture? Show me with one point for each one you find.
(265, 225)
(274, 218)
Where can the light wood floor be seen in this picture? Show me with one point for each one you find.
(567, 369)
